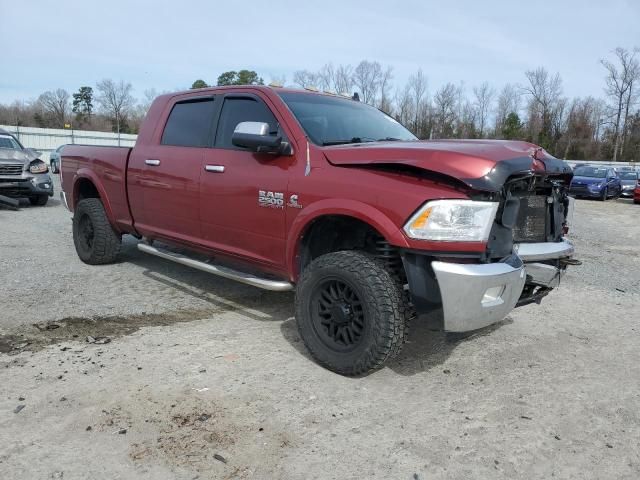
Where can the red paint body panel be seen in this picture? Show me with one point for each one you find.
(218, 213)
(106, 168)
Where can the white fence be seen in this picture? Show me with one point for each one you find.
(46, 140)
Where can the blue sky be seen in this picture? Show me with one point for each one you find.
(166, 45)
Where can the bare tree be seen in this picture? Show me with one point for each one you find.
(632, 98)
(115, 99)
(619, 87)
(545, 92)
(418, 87)
(367, 76)
(325, 77)
(508, 102)
(343, 79)
(305, 78)
(385, 103)
(483, 98)
(404, 107)
(445, 103)
(56, 105)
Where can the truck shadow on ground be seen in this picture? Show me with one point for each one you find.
(426, 348)
(221, 294)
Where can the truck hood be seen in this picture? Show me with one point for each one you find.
(8, 155)
(479, 164)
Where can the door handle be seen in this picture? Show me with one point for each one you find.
(153, 163)
(214, 168)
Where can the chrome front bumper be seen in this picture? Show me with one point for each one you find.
(477, 295)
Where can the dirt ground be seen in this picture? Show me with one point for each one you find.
(187, 376)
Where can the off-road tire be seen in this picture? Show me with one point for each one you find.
(383, 311)
(103, 244)
(39, 200)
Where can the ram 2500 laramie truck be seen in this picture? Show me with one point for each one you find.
(290, 189)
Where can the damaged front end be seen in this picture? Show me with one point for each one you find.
(526, 254)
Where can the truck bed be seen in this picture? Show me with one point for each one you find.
(106, 167)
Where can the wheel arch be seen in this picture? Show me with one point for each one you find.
(87, 185)
(350, 214)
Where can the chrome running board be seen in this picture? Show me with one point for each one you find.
(247, 278)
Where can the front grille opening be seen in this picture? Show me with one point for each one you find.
(531, 224)
(12, 169)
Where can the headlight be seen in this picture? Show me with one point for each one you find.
(38, 166)
(452, 221)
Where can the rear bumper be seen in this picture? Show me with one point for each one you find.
(477, 295)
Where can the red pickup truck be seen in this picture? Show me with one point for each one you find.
(290, 189)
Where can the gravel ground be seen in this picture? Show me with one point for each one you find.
(206, 378)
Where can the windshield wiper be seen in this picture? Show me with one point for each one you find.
(389, 139)
(354, 140)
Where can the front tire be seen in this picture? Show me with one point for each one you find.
(605, 194)
(350, 312)
(95, 240)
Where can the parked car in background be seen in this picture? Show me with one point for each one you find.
(22, 173)
(595, 182)
(629, 181)
(54, 159)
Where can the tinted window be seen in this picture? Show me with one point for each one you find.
(189, 124)
(236, 110)
(330, 120)
(7, 141)
(594, 172)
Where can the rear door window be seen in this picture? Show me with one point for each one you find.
(190, 124)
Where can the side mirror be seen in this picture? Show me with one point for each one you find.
(255, 136)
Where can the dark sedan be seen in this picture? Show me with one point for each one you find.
(629, 181)
(595, 182)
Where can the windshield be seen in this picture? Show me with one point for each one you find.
(331, 120)
(7, 141)
(593, 172)
(628, 176)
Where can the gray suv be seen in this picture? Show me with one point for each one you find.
(22, 173)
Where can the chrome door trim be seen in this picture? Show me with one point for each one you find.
(214, 168)
(152, 162)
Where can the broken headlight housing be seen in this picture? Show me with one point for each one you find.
(452, 221)
(38, 166)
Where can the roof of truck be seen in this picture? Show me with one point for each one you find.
(272, 88)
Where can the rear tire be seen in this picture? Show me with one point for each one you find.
(95, 240)
(350, 312)
(39, 200)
